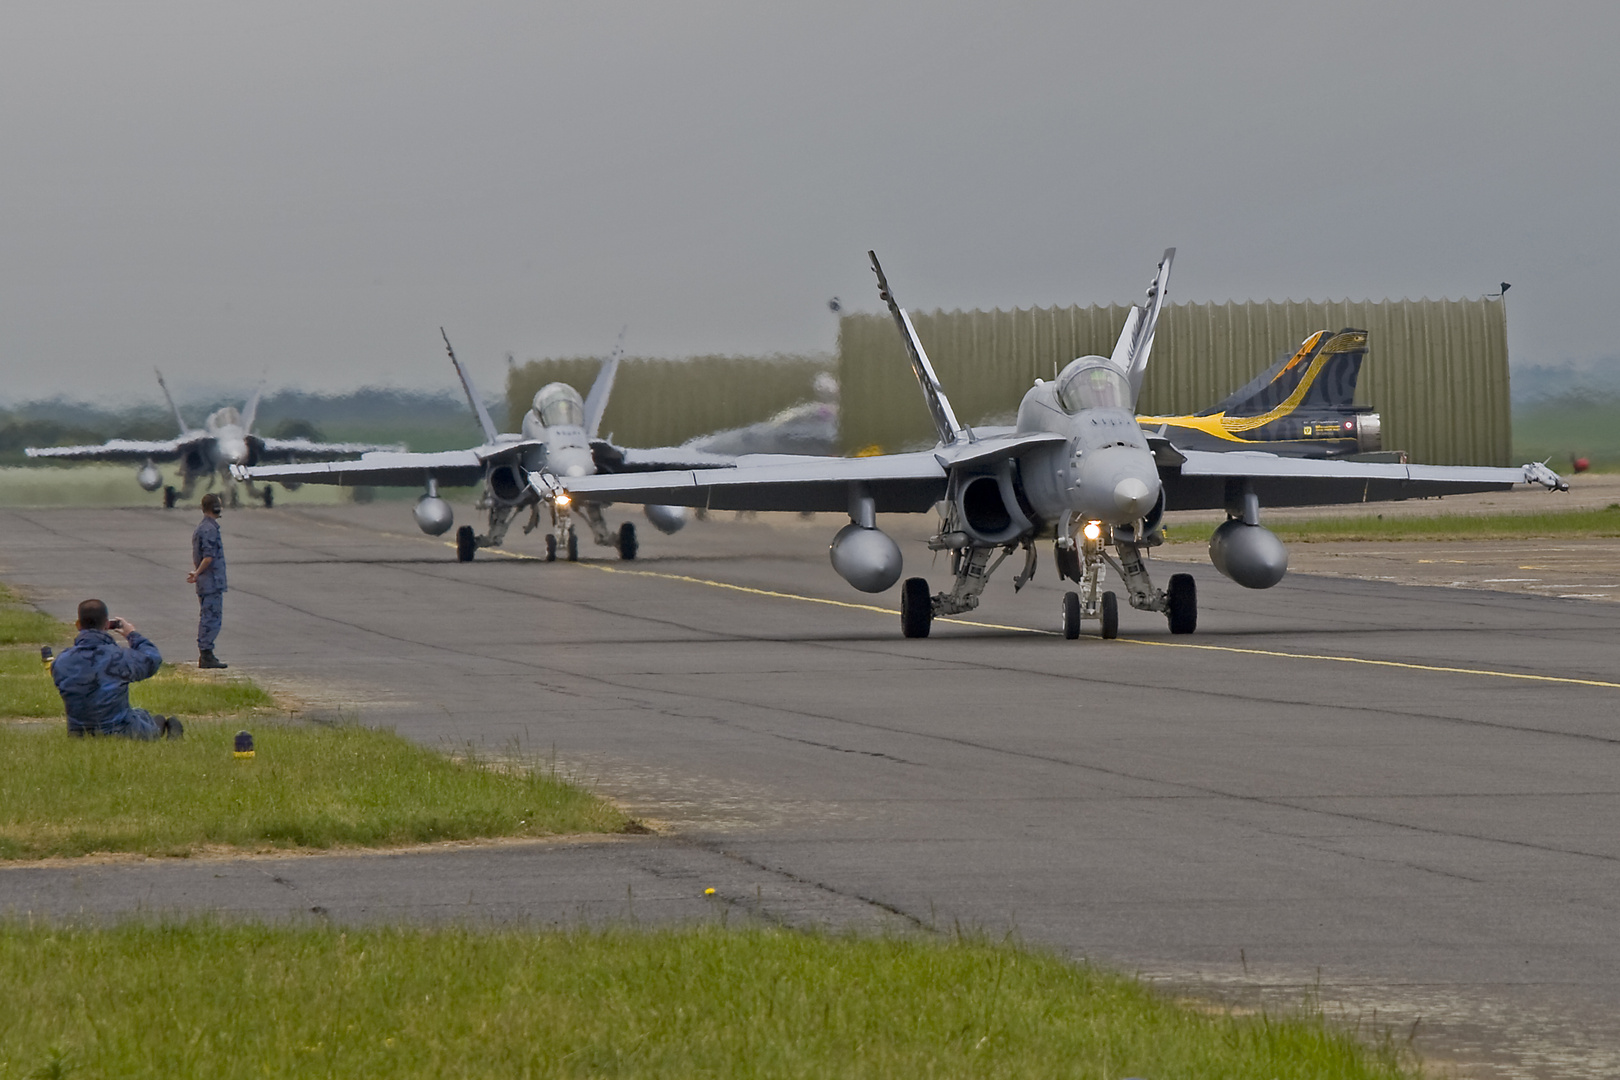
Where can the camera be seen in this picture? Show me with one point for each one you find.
(115, 624)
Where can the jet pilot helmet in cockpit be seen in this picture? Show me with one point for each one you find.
(1092, 383)
(559, 405)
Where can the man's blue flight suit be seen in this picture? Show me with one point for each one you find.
(93, 678)
(206, 542)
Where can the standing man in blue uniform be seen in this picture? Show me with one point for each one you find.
(93, 678)
(208, 558)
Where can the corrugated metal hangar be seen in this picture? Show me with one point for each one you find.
(1437, 370)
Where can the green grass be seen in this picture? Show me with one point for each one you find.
(26, 690)
(21, 624)
(1572, 524)
(203, 999)
(307, 786)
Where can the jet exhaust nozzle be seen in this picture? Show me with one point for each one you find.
(149, 478)
(1250, 555)
(868, 559)
(667, 519)
(433, 515)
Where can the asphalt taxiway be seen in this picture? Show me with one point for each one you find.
(1402, 798)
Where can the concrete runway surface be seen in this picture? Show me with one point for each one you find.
(1401, 799)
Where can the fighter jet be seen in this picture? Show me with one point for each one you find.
(226, 439)
(1077, 469)
(1301, 406)
(558, 438)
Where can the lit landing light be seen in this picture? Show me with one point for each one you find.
(1093, 530)
(562, 499)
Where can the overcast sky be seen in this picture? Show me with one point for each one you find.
(308, 191)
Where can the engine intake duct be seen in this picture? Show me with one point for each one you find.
(1250, 555)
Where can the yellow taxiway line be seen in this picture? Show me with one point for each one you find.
(1325, 657)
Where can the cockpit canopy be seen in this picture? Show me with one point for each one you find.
(559, 405)
(1092, 382)
(228, 416)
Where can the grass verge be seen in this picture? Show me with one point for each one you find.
(20, 624)
(26, 690)
(202, 999)
(307, 786)
(1570, 524)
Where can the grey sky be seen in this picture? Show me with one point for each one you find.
(310, 190)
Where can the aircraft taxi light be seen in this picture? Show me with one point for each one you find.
(1093, 530)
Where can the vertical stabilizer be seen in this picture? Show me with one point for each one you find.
(1135, 343)
(1320, 375)
(596, 402)
(939, 406)
(250, 411)
(178, 419)
(490, 434)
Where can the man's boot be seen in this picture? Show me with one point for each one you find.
(208, 660)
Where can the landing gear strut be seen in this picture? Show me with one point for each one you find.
(1082, 556)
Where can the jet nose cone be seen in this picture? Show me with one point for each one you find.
(1133, 497)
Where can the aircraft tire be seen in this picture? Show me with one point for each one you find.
(573, 547)
(1110, 616)
(269, 497)
(1071, 615)
(466, 544)
(628, 544)
(551, 548)
(1182, 597)
(916, 608)
(170, 497)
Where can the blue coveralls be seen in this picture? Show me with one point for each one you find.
(210, 583)
(93, 678)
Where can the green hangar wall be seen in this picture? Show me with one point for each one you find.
(1437, 370)
(665, 402)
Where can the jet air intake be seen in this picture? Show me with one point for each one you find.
(1250, 555)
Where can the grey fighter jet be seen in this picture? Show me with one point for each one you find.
(1077, 470)
(558, 438)
(226, 439)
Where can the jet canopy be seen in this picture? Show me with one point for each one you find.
(1092, 382)
(559, 405)
(228, 416)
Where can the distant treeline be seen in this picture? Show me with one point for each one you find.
(421, 421)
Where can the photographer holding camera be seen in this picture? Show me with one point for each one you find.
(93, 678)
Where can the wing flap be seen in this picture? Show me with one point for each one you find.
(453, 468)
(898, 483)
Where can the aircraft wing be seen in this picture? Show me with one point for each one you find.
(1199, 479)
(898, 483)
(453, 468)
(124, 449)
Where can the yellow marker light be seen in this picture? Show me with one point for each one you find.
(1093, 530)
